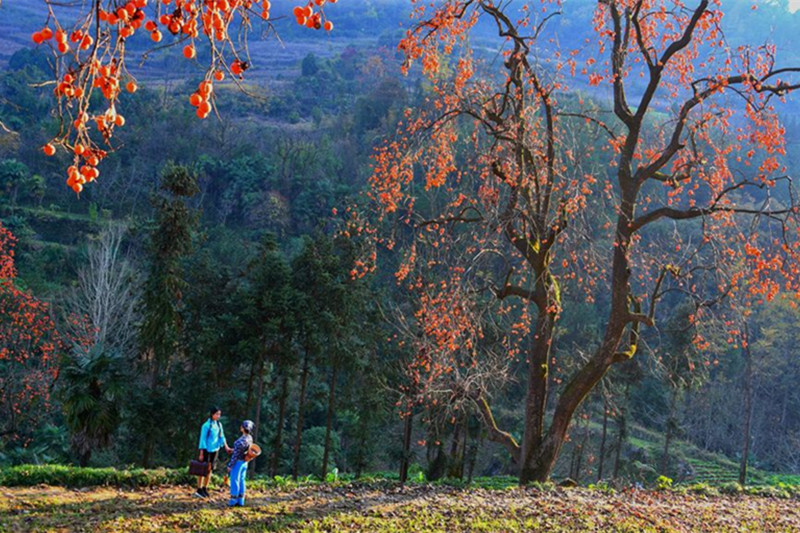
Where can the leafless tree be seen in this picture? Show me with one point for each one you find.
(107, 291)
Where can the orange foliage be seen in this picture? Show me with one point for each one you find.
(506, 168)
(29, 349)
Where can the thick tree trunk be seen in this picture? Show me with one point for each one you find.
(474, 448)
(406, 458)
(536, 397)
(301, 406)
(540, 465)
(329, 424)
(747, 406)
(538, 461)
(538, 451)
(277, 444)
(456, 459)
(602, 455)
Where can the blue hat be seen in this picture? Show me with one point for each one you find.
(248, 425)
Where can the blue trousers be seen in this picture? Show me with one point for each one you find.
(238, 476)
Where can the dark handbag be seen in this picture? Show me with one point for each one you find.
(199, 468)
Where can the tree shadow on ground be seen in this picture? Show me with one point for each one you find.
(266, 510)
(333, 509)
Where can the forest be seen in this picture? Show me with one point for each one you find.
(424, 247)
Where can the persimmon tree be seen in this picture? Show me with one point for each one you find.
(29, 348)
(549, 200)
(90, 43)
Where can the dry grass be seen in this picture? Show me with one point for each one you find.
(388, 508)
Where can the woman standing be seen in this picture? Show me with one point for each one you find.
(237, 466)
(212, 438)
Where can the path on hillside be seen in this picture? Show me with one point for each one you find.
(387, 508)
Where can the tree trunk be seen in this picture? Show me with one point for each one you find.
(276, 448)
(406, 458)
(572, 460)
(248, 404)
(747, 405)
(540, 465)
(538, 451)
(536, 397)
(147, 449)
(622, 430)
(361, 460)
(301, 406)
(259, 398)
(331, 403)
(83, 458)
(582, 449)
(474, 448)
(671, 424)
(456, 462)
(602, 456)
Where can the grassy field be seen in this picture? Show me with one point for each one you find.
(388, 507)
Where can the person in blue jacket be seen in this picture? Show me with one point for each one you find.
(212, 438)
(237, 466)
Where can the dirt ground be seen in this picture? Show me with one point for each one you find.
(388, 508)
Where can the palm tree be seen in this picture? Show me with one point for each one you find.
(92, 385)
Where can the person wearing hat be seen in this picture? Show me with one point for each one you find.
(237, 466)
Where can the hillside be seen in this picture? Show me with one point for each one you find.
(351, 258)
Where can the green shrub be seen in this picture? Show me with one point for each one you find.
(497, 482)
(70, 476)
(768, 491)
(385, 475)
(332, 476)
(602, 486)
(703, 489)
(664, 483)
(547, 486)
(416, 472)
(283, 482)
(731, 488)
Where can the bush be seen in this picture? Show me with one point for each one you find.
(703, 489)
(731, 488)
(546, 486)
(602, 486)
(663, 483)
(768, 491)
(70, 476)
(281, 482)
(496, 482)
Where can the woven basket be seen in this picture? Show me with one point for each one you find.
(252, 452)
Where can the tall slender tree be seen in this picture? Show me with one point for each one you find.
(170, 241)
